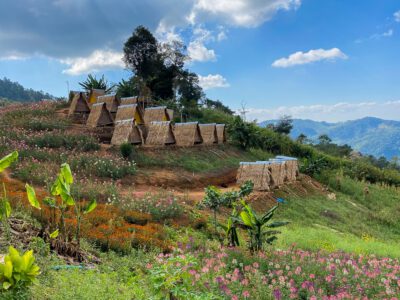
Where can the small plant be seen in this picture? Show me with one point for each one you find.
(258, 227)
(5, 207)
(18, 271)
(126, 150)
(59, 203)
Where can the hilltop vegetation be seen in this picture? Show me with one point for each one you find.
(10, 90)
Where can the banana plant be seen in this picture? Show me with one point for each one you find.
(61, 188)
(5, 207)
(259, 227)
(231, 229)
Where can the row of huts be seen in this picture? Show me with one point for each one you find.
(267, 175)
(132, 122)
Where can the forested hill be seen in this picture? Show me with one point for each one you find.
(14, 91)
(369, 135)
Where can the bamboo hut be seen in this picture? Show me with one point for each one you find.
(93, 94)
(130, 111)
(112, 102)
(126, 131)
(160, 134)
(209, 133)
(99, 116)
(79, 107)
(133, 100)
(156, 114)
(221, 134)
(267, 175)
(187, 134)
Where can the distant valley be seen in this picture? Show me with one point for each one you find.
(368, 135)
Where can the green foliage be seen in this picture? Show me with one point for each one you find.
(18, 271)
(126, 150)
(70, 142)
(6, 161)
(61, 188)
(92, 82)
(5, 207)
(258, 227)
(284, 125)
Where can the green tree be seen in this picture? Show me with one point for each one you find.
(92, 82)
(324, 139)
(284, 125)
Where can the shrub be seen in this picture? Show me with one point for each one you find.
(126, 150)
(69, 142)
(18, 271)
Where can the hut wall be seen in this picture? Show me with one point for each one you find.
(221, 133)
(209, 134)
(187, 134)
(156, 114)
(160, 134)
(129, 111)
(99, 116)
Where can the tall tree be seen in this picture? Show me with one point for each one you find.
(284, 125)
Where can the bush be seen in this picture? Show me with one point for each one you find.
(126, 150)
(69, 142)
(18, 271)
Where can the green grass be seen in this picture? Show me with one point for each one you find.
(198, 159)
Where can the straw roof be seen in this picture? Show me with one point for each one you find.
(170, 113)
(93, 94)
(129, 111)
(111, 100)
(99, 116)
(187, 134)
(160, 134)
(126, 132)
(156, 114)
(209, 133)
(79, 104)
(267, 175)
(132, 100)
(221, 134)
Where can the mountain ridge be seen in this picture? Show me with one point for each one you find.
(369, 135)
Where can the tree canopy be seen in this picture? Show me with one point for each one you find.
(14, 91)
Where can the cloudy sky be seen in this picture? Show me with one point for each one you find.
(327, 60)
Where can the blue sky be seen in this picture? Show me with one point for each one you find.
(330, 60)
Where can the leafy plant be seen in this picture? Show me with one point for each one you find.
(5, 207)
(126, 150)
(18, 271)
(92, 82)
(258, 227)
(61, 200)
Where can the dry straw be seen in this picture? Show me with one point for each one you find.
(187, 134)
(221, 134)
(112, 101)
(156, 114)
(126, 132)
(79, 105)
(93, 94)
(99, 116)
(209, 133)
(160, 134)
(129, 111)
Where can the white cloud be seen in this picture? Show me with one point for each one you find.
(198, 52)
(331, 113)
(301, 58)
(167, 34)
(388, 33)
(397, 16)
(245, 13)
(98, 60)
(213, 81)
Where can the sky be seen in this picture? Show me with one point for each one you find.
(330, 60)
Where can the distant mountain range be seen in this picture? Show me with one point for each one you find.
(368, 135)
(14, 91)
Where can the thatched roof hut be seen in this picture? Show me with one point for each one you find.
(79, 105)
(93, 94)
(99, 116)
(160, 134)
(126, 131)
(111, 100)
(221, 134)
(267, 175)
(209, 133)
(132, 100)
(156, 114)
(170, 113)
(187, 134)
(130, 111)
